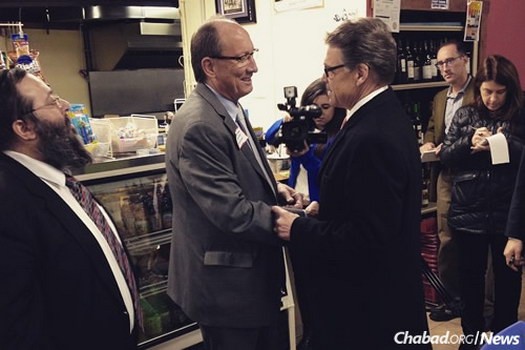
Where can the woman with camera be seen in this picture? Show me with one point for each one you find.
(311, 156)
(310, 159)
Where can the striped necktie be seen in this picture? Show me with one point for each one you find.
(241, 122)
(90, 206)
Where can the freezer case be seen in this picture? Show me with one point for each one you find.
(135, 193)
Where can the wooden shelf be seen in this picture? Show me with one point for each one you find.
(430, 27)
(411, 86)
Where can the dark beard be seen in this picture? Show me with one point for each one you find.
(61, 146)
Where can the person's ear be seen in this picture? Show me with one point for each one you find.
(362, 71)
(208, 67)
(24, 129)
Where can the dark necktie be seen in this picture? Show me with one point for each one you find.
(88, 202)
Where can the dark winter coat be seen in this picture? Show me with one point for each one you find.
(481, 192)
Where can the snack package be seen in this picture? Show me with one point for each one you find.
(24, 57)
(21, 46)
(80, 121)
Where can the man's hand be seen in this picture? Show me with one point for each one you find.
(312, 209)
(513, 253)
(283, 222)
(290, 196)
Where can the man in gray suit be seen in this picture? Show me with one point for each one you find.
(226, 266)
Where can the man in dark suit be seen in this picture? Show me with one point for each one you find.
(62, 287)
(226, 265)
(365, 246)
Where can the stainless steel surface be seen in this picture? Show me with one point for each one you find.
(121, 166)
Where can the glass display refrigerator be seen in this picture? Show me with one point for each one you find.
(135, 193)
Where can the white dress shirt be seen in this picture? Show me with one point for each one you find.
(56, 180)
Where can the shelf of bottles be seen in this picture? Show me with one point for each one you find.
(417, 78)
(141, 209)
(417, 46)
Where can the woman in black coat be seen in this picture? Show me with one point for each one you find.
(482, 192)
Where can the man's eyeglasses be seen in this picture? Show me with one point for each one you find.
(241, 60)
(448, 62)
(329, 71)
(56, 101)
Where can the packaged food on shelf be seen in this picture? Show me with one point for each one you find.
(81, 122)
(133, 133)
(101, 146)
(152, 320)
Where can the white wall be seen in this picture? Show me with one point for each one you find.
(291, 45)
(61, 58)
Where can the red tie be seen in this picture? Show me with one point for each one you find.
(88, 202)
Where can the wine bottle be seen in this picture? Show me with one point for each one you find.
(401, 63)
(416, 121)
(427, 63)
(410, 63)
(424, 188)
(433, 60)
(418, 63)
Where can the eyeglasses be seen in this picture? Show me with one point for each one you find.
(241, 60)
(328, 70)
(448, 62)
(56, 101)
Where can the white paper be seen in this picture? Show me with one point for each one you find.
(388, 11)
(499, 149)
(285, 5)
(439, 4)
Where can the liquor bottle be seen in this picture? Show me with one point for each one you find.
(416, 122)
(467, 54)
(424, 188)
(401, 76)
(410, 63)
(433, 60)
(418, 63)
(427, 63)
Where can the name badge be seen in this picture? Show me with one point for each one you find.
(240, 137)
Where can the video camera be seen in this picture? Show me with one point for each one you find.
(301, 128)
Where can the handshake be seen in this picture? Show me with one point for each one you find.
(295, 207)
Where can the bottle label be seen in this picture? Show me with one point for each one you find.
(427, 72)
(434, 68)
(410, 69)
(403, 65)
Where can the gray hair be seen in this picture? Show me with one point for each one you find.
(368, 41)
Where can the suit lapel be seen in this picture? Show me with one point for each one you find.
(70, 221)
(232, 127)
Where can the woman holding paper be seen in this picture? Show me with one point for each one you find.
(483, 147)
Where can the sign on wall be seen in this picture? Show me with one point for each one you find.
(388, 11)
(285, 5)
(473, 21)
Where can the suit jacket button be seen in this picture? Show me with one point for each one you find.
(125, 312)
